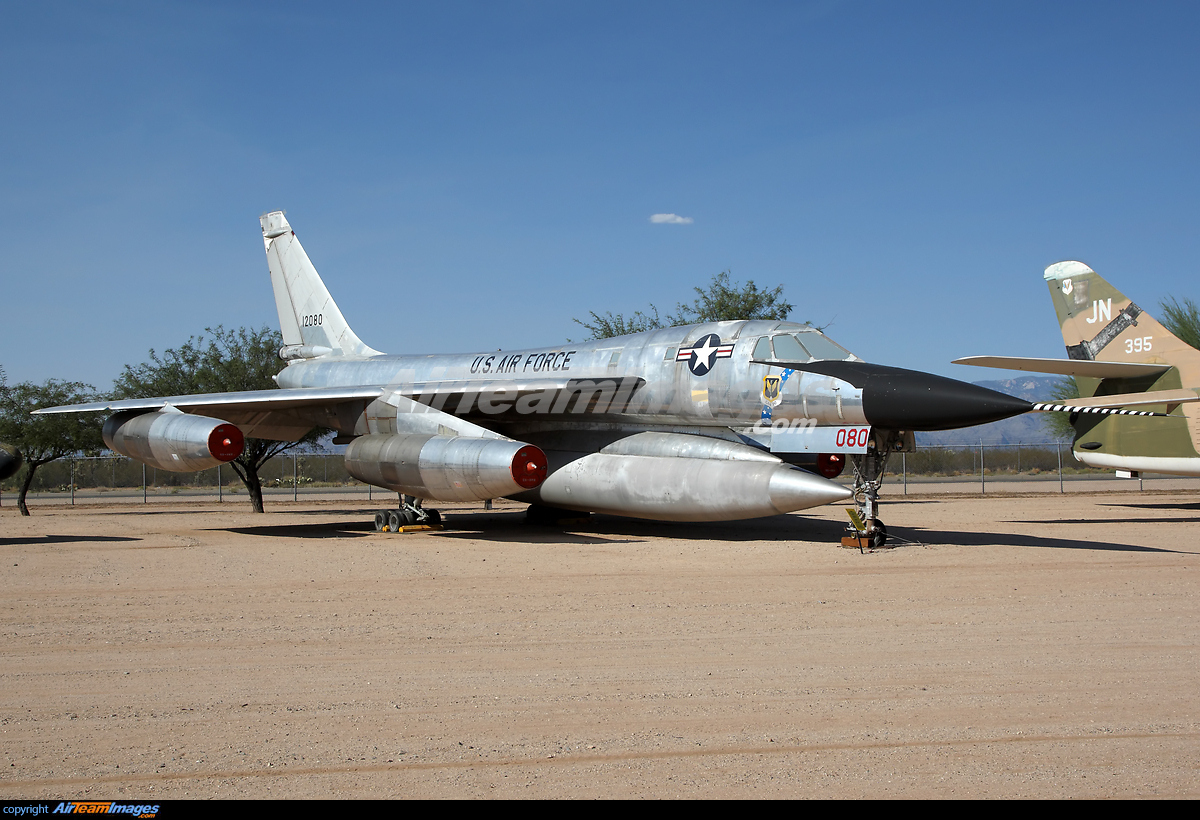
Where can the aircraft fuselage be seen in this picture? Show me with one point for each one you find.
(696, 375)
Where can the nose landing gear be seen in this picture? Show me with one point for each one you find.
(866, 530)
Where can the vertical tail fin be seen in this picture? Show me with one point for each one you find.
(310, 320)
(1099, 322)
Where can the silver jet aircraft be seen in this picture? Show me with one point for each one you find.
(709, 422)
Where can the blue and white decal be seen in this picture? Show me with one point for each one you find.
(772, 394)
(703, 354)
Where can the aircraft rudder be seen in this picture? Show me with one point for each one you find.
(309, 319)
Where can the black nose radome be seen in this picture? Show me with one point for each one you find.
(898, 399)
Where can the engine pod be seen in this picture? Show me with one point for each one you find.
(446, 468)
(173, 441)
(680, 489)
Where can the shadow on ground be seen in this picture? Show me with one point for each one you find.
(1011, 539)
(40, 540)
(511, 527)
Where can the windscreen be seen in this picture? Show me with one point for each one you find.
(821, 347)
(787, 349)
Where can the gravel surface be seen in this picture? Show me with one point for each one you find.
(1021, 646)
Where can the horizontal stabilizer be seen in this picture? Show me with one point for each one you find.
(1068, 367)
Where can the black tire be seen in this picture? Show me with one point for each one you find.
(879, 534)
(433, 518)
(381, 521)
(395, 521)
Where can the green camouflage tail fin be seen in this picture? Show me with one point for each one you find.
(1100, 323)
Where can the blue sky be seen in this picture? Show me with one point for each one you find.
(471, 176)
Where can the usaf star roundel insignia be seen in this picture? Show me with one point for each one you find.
(703, 354)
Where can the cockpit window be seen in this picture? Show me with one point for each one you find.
(822, 347)
(787, 349)
(762, 350)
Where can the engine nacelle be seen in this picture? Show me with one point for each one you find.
(446, 468)
(172, 440)
(10, 460)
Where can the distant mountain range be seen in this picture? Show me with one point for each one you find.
(1026, 429)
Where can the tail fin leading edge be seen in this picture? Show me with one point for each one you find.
(308, 316)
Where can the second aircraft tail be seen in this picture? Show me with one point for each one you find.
(1100, 323)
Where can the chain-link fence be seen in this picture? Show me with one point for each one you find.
(1051, 463)
(309, 474)
(114, 476)
(996, 459)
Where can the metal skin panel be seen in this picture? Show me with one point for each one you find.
(679, 445)
(821, 440)
(171, 440)
(437, 468)
(680, 489)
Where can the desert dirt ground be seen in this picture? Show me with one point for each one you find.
(1024, 646)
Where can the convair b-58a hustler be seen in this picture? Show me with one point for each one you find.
(710, 422)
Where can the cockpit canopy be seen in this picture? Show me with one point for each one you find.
(804, 346)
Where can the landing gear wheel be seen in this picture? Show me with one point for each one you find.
(869, 470)
(408, 514)
(878, 534)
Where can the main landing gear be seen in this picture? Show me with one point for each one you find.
(409, 514)
(866, 530)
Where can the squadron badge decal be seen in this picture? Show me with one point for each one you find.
(770, 394)
(703, 354)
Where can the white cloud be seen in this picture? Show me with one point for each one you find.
(670, 219)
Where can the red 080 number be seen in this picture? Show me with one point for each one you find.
(851, 436)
